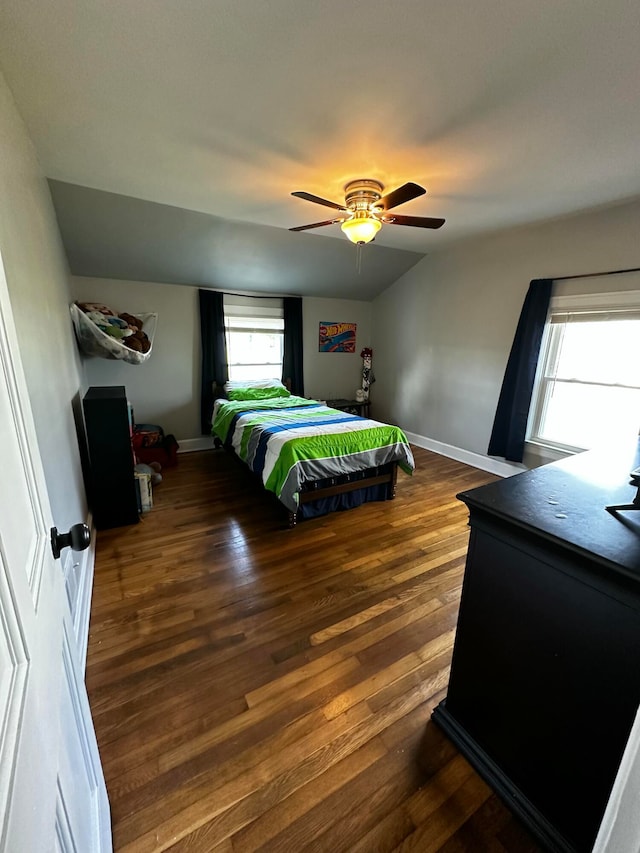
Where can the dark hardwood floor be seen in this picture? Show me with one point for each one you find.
(258, 688)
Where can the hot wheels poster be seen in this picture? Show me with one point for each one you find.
(337, 337)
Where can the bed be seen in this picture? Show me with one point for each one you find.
(315, 459)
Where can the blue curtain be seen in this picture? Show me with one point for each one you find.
(510, 424)
(214, 352)
(292, 367)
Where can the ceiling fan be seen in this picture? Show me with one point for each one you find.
(365, 209)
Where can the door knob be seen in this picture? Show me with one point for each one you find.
(78, 538)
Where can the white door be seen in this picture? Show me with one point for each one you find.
(52, 791)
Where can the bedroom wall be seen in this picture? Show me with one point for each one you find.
(166, 388)
(442, 333)
(38, 282)
(334, 374)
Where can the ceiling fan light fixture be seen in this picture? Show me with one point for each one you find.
(361, 229)
(365, 209)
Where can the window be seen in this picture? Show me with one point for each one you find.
(255, 337)
(587, 389)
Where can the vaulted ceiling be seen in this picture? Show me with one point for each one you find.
(174, 132)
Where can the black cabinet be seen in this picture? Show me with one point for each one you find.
(112, 489)
(545, 676)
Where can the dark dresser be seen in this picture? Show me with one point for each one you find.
(545, 677)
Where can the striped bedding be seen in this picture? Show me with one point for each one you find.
(289, 441)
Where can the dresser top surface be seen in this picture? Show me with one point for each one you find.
(565, 501)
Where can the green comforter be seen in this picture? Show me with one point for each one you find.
(289, 441)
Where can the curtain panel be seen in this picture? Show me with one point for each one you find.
(292, 366)
(510, 424)
(214, 352)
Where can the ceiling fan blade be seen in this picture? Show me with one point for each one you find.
(403, 194)
(318, 200)
(415, 221)
(316, 225)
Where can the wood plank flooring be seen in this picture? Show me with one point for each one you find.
(262, 689)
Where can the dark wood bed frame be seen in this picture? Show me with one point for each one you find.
(383, 474)
(312, 491)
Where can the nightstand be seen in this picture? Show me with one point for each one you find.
(354, 407)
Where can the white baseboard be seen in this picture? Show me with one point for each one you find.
(189, 445)
(476, 460)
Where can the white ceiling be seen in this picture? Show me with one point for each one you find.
(507, 111)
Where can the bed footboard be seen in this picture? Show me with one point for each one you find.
(382, 476)
(371, 484)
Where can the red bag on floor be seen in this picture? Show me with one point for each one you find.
(147, 435)
(150, 444)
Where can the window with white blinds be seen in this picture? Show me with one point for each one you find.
(587, 389)
(255, 337)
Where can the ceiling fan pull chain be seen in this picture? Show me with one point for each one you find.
(359, 257)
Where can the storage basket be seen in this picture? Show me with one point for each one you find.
(93, 341)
